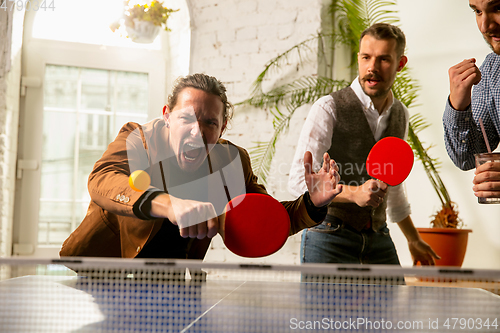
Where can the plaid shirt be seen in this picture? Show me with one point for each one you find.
(462, 133)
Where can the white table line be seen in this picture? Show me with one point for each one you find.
(213, 306)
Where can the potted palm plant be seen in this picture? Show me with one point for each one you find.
(143, 22)
(446, 235)
(348, 18)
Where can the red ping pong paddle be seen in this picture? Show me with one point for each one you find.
(390, 160)
(256, 225)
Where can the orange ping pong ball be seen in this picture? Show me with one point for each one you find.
(139, 180)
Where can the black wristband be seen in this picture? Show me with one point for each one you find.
(142, 207)
(317, 214)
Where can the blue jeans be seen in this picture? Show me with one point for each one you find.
(332, 242)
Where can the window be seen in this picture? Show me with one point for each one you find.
(92, 81)
(82, 113)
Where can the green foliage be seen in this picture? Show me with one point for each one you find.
(262, 154)
(354, 16)
(405, 89)
(304, 90)
(431, 165)
(153, 12)
(294, 54)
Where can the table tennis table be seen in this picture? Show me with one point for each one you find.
(152, 296)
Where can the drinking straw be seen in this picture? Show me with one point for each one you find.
(484, 135)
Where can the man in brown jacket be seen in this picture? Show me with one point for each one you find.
(193, 175)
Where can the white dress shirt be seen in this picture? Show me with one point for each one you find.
(316, 137)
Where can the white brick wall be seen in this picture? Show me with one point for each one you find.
(233, 40)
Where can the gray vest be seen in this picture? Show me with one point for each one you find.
(352, 140)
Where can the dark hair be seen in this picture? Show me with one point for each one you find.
(208, 84)
(387, 31)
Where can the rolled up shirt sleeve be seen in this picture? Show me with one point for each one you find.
(315, 137)
(398, 206)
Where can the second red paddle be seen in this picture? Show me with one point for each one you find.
(390, 160)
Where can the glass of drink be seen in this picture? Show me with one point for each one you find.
(481, 159)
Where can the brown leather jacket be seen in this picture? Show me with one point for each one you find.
(112, 229)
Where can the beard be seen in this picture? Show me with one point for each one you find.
(373, 93)
(490, 44)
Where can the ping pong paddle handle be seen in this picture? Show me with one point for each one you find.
(222, 224)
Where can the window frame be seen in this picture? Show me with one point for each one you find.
(37, 53)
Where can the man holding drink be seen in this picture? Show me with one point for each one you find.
(467, 140)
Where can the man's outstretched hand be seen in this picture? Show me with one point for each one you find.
(323, 186)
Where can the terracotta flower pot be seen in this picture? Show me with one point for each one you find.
(450, 244)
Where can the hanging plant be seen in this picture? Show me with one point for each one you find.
(143, 22)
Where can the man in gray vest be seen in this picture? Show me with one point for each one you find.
(347, 124)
